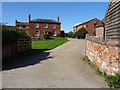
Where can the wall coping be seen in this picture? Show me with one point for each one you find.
(109, 42)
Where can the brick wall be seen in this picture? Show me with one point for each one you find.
(105, 54)
(41, 29)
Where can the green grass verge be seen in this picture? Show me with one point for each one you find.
(48, 44)
(44, 45)
(112, 81)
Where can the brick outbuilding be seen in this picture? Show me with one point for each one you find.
(89, 26)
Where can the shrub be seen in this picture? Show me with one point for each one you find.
(69, 34)
(46, 36)
(10, 36)
(80, 34)
(22, 34)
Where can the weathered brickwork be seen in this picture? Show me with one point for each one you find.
(105, 53)
(105, 56)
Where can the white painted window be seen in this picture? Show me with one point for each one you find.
(53, 26)
(36, 25)
(27, 27)
(37, 33)
(46, 25)
(54, 33)
(20, 27)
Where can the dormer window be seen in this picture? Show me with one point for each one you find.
(46, 25)
(53, 26)
(36, 25)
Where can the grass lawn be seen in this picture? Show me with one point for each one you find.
(48, 44)
(44, 45)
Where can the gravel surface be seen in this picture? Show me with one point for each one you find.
(61, 67)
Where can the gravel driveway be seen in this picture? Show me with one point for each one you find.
(61, 67)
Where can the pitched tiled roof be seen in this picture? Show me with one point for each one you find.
(45, 21)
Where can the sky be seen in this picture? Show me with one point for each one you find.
(70, 13)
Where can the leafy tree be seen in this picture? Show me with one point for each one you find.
(69, 34)
(80, 34)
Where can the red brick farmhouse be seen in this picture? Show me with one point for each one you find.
(39, 27)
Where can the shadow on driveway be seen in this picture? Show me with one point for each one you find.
(28, 58)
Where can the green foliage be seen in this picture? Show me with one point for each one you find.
(80, 34)
(69, 34)
(22, 34)
(10, 36)
(112, 81)
(47, 36)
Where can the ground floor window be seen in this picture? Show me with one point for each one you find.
(37, 33)
(54, 33)
(45, 32)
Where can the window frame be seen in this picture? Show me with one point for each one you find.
(27, 27)
(37, 34)
(54, 26)
(45, 32)
(45, 25)
(37, 25)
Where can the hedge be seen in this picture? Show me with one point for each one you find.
(10, 36)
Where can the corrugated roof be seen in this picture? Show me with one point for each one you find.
(44, 21)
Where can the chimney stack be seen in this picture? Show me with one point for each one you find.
(29, 17)
(58, 19)
(16, 22)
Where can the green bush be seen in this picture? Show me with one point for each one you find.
(22, 34)
(10, 36)
(47, 36)
(80, 34)
(69, 34)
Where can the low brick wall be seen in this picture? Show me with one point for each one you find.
(105, 54)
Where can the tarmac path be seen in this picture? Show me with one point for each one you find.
(61, 67)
